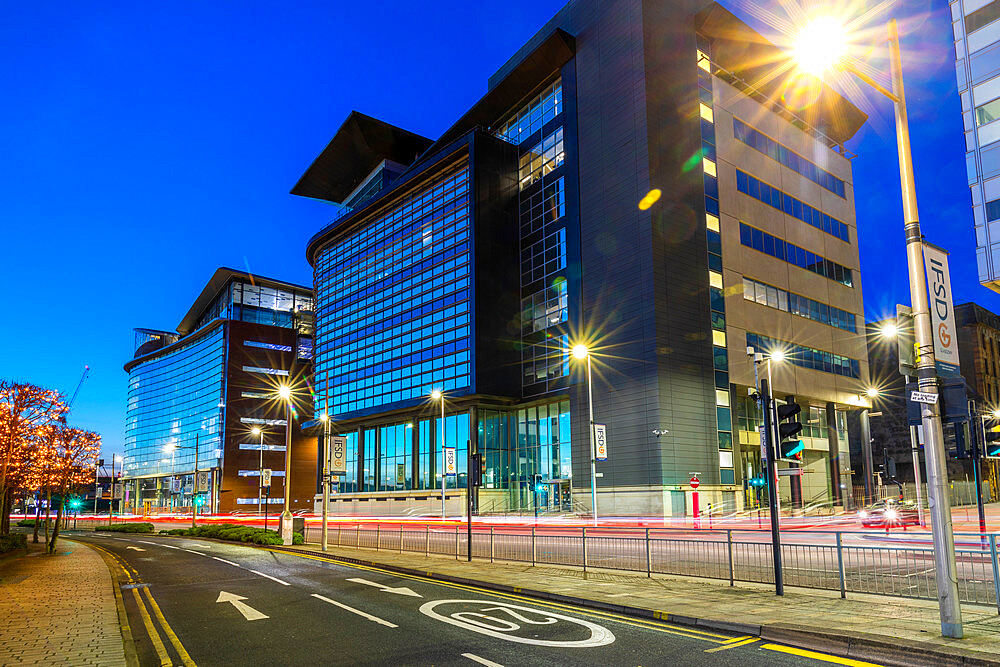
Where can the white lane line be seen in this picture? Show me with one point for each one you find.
(155, 544)
(228, 562)
(356, 611)
(481, 661)
(267, 576)
(169, 546)
(197, 553)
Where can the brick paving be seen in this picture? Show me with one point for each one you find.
(59, 609)
(912, 625)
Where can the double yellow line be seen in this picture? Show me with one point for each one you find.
(135, 585)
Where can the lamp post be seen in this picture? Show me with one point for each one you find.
(770, 446)
(820, 47)
(111, 503)
(285, 393)
(581, 351)
(325, 418)
(437, 395)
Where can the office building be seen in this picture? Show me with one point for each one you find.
(205, 386)
(635, 180)
(977, 67)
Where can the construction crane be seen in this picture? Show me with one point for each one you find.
(86, 372)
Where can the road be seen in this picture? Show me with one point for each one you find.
(196, 602)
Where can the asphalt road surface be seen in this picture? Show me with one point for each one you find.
(196, 602)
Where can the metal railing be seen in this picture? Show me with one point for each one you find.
(840, 561)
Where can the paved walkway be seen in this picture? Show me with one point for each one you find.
(857, 626)
(59, 609)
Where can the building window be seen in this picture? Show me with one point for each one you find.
(266, 422)
(265, 371)
(775, 297)
(759, 240)
(545, 308)
(807, 357)
(982, 16)
(546, 360)
(255, 447)
(532, 116)
(541, 159)
(544, 258)
(256, 473)
(268, 346)
(775, 198)
(786, 156)
(543, 207)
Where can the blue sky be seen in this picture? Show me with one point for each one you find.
(145, 145)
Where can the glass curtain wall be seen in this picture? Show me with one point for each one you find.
(258, 304)
(393, 303)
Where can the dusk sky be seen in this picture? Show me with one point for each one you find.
(145, 145)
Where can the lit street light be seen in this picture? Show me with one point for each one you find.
(581, 351)
(260, 470)
(285, 394)
(821, 47)
(438, 396)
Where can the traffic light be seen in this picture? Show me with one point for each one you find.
(537, 483)
(74, 503)
(477, 470)
(199, 500)
(789, 446)
(992, 444)
(756, 482)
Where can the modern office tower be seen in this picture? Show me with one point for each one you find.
(635, 179)
(208, 385)
(977, 66)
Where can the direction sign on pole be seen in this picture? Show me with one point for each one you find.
(450, 467)
(601, 441)
(338, 454)
(923, 397)
(265, 477)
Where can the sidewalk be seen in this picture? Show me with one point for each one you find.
(59, 609)
(885, 630)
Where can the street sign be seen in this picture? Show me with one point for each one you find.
(116, 491)
(923, 397)
(265, 477)
(204, 481)
(450, 467)
(790, 472)
(601, 441)
(942, 311)
(695, 482)
(400, 474)
(338, 454)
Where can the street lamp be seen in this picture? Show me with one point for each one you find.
(116, 458)
(285, 394)
(819, 48)
(438, 396)
(580, 352)
(325, 418)
(260, 470)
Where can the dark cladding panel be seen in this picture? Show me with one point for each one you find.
(496, 267)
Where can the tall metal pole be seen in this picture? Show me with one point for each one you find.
(868, 465)
(772, 483)
(111, 501)
(443, 478)
(937, 475)
(286, 515)
(917, 475)
(978, 449)
(194, 487)
(326, 480)
(593, 444)
(97, 485)
(260, 474)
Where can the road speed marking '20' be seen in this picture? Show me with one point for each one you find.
(512, 622)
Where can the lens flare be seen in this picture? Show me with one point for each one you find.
(651, 198)
(820, 45)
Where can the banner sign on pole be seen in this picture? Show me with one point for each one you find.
(449, 461)
(601, 441)
(204, 481)
(400, 474)
(265, 477)
(338, 454)
(942, 311)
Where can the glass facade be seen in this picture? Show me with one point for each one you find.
(807, 357)
(786, 156)
(261, 305)
(796, 304)
(172, 398)
(717, 301)
(761, 241)
(775, 198)
(393, 303)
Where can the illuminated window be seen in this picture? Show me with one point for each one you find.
(532, 116)
(542, 158)
(709, 166)
(718, 338)
(715, 279)
(706, 112)
(712, 222)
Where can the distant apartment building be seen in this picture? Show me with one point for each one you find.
(977, 52)
(631, 181)
(207, 385)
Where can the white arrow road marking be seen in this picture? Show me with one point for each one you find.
(135, 548)
(402, 590)
(227, 562)
(248, 612)
(356, 611)
(283, 583)
(481, 661)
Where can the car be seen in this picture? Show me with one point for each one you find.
(889, 513)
